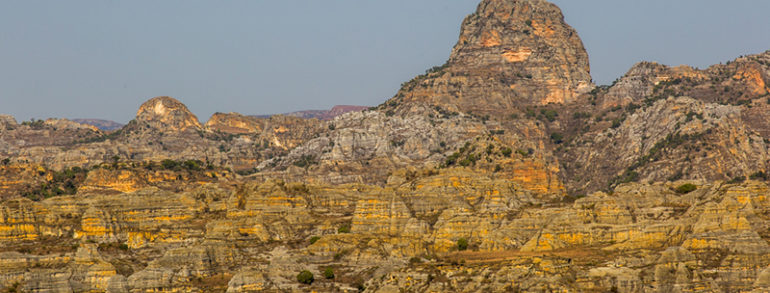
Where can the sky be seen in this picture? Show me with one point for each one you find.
(103, 58)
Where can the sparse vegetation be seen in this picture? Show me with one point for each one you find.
(737, 180)
(189, 165)
(759, 175)
(617, 122)
(462, 244)
(686, 188)
(305, 277)
(557, 138)
(628, 176)
(409, 85)
(64, 182)
(314, 239)
(169, 164)
(526, 153)
(328, 273)
(655, 153)
(344, 228)
(34, 123)
(549, 114)
(305, 161)
(531, 113)
(452, 159)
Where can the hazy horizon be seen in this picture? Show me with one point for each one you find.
(102, 59)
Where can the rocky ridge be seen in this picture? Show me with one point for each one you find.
(104, 125)
(324, 115)
(504, 170)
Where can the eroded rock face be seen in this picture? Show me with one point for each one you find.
(673, 138)
(406, 235)
(7, 120)
(166, 113)
(511, 54)
(233, 123)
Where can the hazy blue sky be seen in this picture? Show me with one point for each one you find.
(103, 58)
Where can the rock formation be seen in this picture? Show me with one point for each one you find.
(504, 170)
(168, 114)
(510, 54)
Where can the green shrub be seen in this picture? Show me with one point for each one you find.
(305, 277)
(314, 239)
(557, 138)
(462, 244)
(329, 273)
(507, 152)
(452, 159)
(344, 229)
(581, 115)
(169, 164)
(686, 188)
(531, 113)
(305, 161)
(737, 179)
(616, 123)
(465, 162)
(550, 115)
(193, 165)
(759, 175)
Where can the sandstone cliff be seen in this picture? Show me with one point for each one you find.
(168, 114)
(510, 54)
(403, 236)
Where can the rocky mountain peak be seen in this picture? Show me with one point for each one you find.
(167, 113)
(522, 51)
(528, 42)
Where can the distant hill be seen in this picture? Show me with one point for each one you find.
(322, 114)
(100, 123)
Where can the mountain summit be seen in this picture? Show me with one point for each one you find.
(167, 113)
(511, 53)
